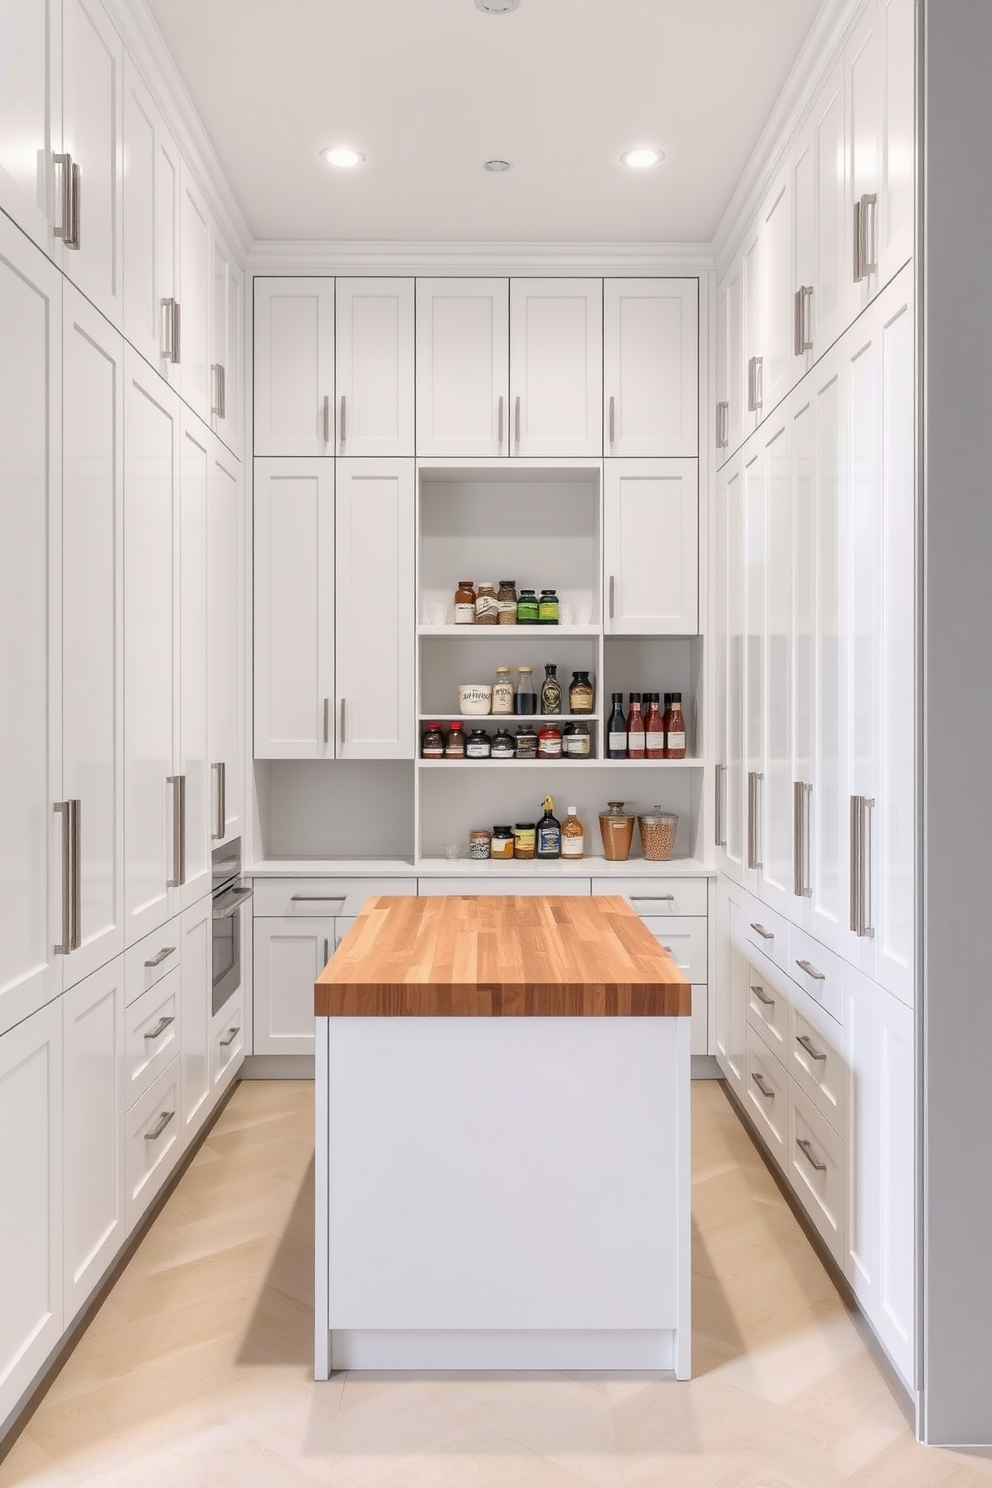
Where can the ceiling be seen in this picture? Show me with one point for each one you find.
(429, 89)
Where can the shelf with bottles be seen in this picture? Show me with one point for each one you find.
(645, 665)
(461, 663)
(509, 633)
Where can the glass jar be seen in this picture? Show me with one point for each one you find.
(486, 605)
(503, 692)
(550, 689)
(616, 828)
(501, 843)
(465, 603)
(547, 608)
(527, 607)
(455, 746)
(478, 746)
(573, 838)
(525, 698)
(432, 742)
(580, 693)
(502, 745)
(549, 742)
(526, 742)
(579, 742)
(479, 844)
(524, 839)
(507, 598)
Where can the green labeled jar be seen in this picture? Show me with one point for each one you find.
(547, 608)
(527, 608)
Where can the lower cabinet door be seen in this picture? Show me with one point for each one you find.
(31, 1206)
(732, 984)
(153, 1142)
(195, 979)
(93, 1125)
(766, 1095)
(227, 1044)
(816, 1170)
(289, 956)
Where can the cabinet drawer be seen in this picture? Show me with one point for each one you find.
(766, 1095)
(154, 1138)
(768, 931)
(815, 1061)
(227, 1043)
(309, 898)
(685, 941)
(818, 971)
(816, 1169)
(151, 959)
(151, 1034)
(768, 1003)
(654, 896)
(510, 884)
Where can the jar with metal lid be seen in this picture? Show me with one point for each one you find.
(549, 742)
(478, 844)
(503, 691)
(578, 744)
(525, 839)
(486, 605)
(455, 745)
(580, 693)
(502, 745)
(658, 829)
(478, 746)
(616, 827)
(547, 608)
(527, 607)
(526, 742)
(465, 603)
(501, 843)
(507, 599)
(432, 742)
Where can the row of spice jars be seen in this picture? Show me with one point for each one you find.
(501, 605)
(520, 696)
(549, 742)
(545, 840)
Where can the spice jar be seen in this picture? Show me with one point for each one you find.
(432, 742)
(502, 745)
(549, 742)
(455, 746)
(507, 598)
(503, 691)
(501, 843)
(578, 744)
(527, 607)
(547, 608)
(616, 828)
(478, 746)
(524, 839)
(465, 603)
(478, 844)
(580, 693)
(486, 605)
(526, 742)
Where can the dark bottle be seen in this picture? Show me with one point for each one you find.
(617, 730)
(549, 832)
(635, 728)
(580, 693)
(666, 717)
(654, 729)
(675, 732)
(525, 698)
(550, 689)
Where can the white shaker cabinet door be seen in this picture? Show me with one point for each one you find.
(556, 367)
(861, 93)
(92, 628)
(730, 372)
(835, 294)
(802, 185)
(152, 795)
(152, 174)
(373, 353)
(31, 1212)
(30, 116)
(732, 984)
(754, 567)
(193, 762)
(194, 278)
(33, 916)
(294, 609)
(374, 609)
(777, 265)
(226, 321)
(463, 367)
(289, 957)
(225, 631)
(729, 589)
(897, 145)
(93, 1126)
(92, 109)
(294, 367)
(650, 353)
(753, 368)
(775, 795)
(195, 1016)
(651, 541)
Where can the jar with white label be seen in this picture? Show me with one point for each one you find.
(502, 746)
(503, 691)
(465, 603)
(486, 605)
(577, 741)
(478, 745)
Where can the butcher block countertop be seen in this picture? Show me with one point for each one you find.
(493, 956)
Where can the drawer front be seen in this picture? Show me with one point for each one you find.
(657, 896)
(685, 941)
(816, 1170)
(768, 931)
(151, 959)
(310, 898)
(151, 1034)
(818, 971)
(768, 1002)
(227, 1043)
(508, 884)
(815, 1061)
(154, 1139)
(766, 1095)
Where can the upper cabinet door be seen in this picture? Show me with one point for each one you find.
(897, 167)
(834, 291)
(730, 371)
(651, 547)
(802, 183)
(556, 367)
(730, 669)
(651, 360)
(92, 109)
(861, 69)
(779, 364)
(225, 630)
(374, 366)
(752, 329)
(193, 760)
(30, 115)
(294, 367)
(194, 278)
(33, 918)
(226, 319)
(151, 229)
(374, 611)
(463, 366)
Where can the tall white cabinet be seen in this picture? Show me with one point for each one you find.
(463, 367)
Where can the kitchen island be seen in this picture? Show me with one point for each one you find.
(502, 1140)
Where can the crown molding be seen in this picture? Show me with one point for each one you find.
(818, 55)
(151, 56)
(597, 259)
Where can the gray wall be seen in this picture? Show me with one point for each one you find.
(957, 734)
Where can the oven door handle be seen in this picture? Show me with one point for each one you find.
(227, 907)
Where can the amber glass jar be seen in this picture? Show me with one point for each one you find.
(465, 603)
(507, 598)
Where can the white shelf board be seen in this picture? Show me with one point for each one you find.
(479, 720)
(584, 764)
(591, 866)
(509, 632)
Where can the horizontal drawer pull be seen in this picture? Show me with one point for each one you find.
(165, 951)
(807, 1151)
(765, 934)
(810, 970)
(159, 1127)
(810, 1048)
(318, 898)
(160, 1027)
(232, 1034)
(762, 996)
(768, 1094)
(652, 898)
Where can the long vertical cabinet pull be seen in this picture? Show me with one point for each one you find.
(327, 418)
(612, 599)
(327, 720)
(220, 822)
(220, 392)
(865, 236)
(169, 327)
(516, 422)
(719, 788)
(178, 783)
(862, 912)
(68, 230)
(613, 421)
(343, 701)
(499, 425)
(858, 259)
(754, 779)
(802, 886)
(755, 379)
(343, 421)
(855, 864)
(177, 338)
(71, 884)
(722, 425)
(803, 328)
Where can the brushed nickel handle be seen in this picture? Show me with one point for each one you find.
(807, 316)
(855, 865)
(811, 971)
(178, 783)
(327, 418)
(753, 780)
(327, 720)
(75, 894)
(232, 1034)
(755, 381)
(797, 323)
(343, 423)
(613, 420)
(765, 934)
(722, 425)
(797, 845)
(169, 328)
(867, 929)
(68, 230)
(810, 1047)
(516, 421)
(232, 902)
(220, 821)
(317, 898)
(160, 1027)
(341, 725)
(721, 782)
(768, 1094)
(762, 995)
(326, 950)
(652, 898)
(220, 399)
(62, 808)
(807, 876)
(858, 259)
(163, 953)
(869, 234)
(159, 1127)
(807, 1151)
(177, 327)
(499, 425)
(613, 595)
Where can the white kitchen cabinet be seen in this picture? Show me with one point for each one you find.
(152, 197)
(753, 329)
(193, 760)
(289, 956)
(153, 1144)
(823, 221)
(33, 917)
(651, 359)
(650, 547)
(753, 660)
(225, 633)
(152, 792)
(92, 627)
(195, 982)
(294, 367)
(93, 1098)
(802, 168)
(463, 366)
(374, 367)
(92, 110)
(193, 326)
(556, 367)
(374, 610)
(897, 145)
(732, 984)
(31, 1213)
(227, 312)
(30, 115)
(294, 609)
(730, 386)
(729, 642)
(861, 137)
(776, 220)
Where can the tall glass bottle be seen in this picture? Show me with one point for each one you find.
(675, 732)
(526, 697)
(550, 689)
(617, 730)
(654, 729)
(635, 729)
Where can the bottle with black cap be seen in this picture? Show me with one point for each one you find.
(617, 730)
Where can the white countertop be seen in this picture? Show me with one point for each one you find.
(587, 867)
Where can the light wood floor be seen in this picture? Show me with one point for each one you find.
(196, 1371)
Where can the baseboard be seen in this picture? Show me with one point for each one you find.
(277, 1067)
(704, 1067)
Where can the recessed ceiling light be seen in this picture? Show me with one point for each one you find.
(497, 165)
(643, 156)
(342, 155)
(497, 7)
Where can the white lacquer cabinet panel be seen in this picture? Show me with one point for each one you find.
(30, 114)
(651, 537)
(92, 136)
(774, 761)
(195, 980)
(373, 352)
(834, 294)
(729, 645)
(289, 956)
(152, 175)
(732, 984)
(294, 367)
(777, 259)
(463, 368)
(753, 402)
(193, 761)
(650, 354)
(225, 659)
(556, 366)
(226, 321)
(897, 172)
(194, 279)
(862, 141)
